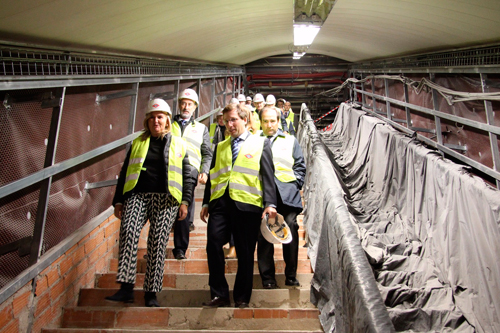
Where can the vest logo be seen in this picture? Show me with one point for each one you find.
(179, 155)
(156, 105)
(194, 131)
(248, 156)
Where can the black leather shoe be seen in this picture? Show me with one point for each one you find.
(292, 282)
(180, 256)
(150, 300)
(241, 305)
(125, 294)
(217, 302)
(270, 286)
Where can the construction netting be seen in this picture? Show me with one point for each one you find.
(397, 231)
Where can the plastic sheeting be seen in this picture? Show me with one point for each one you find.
(343, 285)
(429, 229)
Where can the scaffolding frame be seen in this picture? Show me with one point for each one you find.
(23, 68)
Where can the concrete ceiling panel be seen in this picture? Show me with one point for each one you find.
(241, 31)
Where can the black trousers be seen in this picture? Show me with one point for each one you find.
(181, 231)
(225, 218)
(265, 250)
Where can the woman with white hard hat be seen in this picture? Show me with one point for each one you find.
(155, 184)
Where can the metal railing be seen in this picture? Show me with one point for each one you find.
(406, 124)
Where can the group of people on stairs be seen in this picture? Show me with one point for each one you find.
(252, 168)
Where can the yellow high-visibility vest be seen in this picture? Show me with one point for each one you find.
(193, 135)
(243, 177)
(256, 119)
(176, 153)
(283, 158)
(290, 119)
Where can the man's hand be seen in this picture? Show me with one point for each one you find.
(271, 211)
(183, 212)
(204, 214)
(118, 211)
(202, 178)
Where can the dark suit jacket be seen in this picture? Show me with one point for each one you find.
(268, 185)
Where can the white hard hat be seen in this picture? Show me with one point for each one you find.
(276, 230)
(158, 104)
(270, 99)
(189, 94)
(249, 98)
(258, 98)
(241, 98)
(234, 101)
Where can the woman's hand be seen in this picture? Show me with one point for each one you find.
(118, 211)
(183, 211)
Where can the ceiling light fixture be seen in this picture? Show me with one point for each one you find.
(304, 34)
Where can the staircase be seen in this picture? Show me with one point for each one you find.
(185, 288)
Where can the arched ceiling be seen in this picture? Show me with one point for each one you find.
(238, 32)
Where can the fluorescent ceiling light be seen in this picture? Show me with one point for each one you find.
(304, 34)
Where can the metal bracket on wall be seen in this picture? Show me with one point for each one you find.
(89, 186)
(22, 245)
(120, 94)
(163, 95)
(7, 102)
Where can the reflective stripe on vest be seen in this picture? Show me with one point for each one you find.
(193, 135)
(243, 179)
(212, 132)
(283, 158)
(176, 153)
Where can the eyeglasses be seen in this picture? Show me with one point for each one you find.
(232, 120)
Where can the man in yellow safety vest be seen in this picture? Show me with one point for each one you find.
(240, 192)
(200, 155)
(290, 170)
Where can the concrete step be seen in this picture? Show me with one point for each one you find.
(195, 281)
(141, 318)
(201, 253)
(201, 234)
(283, 298)
(200, 266)
(201, 242)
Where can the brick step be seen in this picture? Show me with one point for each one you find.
(141, 318)
(202, 242)
(261, 298)
(200, 266)
(201, 234)
(201, 253)
(195, 281)
(121, 330)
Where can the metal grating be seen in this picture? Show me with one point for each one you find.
(471, 57)
(16, 61)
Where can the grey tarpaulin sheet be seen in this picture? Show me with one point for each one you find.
(429, 229)
(343, 285)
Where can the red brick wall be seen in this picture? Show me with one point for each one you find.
(58, 285)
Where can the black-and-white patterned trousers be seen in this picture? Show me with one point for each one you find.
(161, 210)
